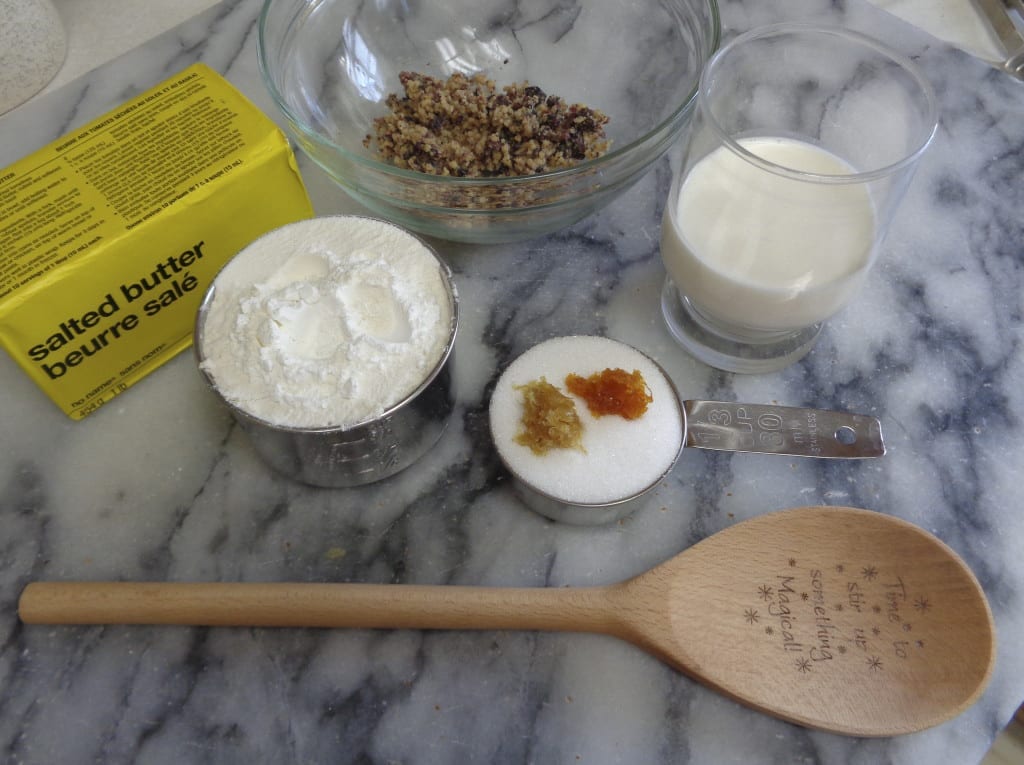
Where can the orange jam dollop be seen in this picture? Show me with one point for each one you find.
(549, 419)
(612, 391)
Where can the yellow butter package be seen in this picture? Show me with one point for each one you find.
(110, 235)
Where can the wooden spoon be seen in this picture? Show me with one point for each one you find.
(835, 618)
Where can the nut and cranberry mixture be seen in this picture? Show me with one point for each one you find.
(465, 127)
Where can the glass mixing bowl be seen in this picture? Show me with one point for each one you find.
(331, 64)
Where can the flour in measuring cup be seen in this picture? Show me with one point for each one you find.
(326, 322)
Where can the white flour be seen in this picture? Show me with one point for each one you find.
(326, 322)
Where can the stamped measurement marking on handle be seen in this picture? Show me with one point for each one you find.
(848, 612)
(794, 431)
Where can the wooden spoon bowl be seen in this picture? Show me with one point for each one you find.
(835, 618)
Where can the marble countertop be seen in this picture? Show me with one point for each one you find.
(160, 485)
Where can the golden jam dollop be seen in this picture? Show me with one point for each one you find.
(612, 391)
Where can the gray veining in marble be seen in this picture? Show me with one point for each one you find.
(160, 484)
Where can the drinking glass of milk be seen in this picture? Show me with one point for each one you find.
(803, 142)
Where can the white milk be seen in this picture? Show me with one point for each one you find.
(760, 250)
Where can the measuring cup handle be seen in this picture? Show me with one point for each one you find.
(794, 431)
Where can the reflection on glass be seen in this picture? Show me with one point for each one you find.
(473, 58)
(360, 64)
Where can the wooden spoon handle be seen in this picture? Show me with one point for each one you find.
(318, 605)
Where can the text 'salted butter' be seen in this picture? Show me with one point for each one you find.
(110, 235)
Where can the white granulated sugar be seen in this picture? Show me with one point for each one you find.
(326, 322)
(620, 457)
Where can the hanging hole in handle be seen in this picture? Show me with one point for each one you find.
(846, 435)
